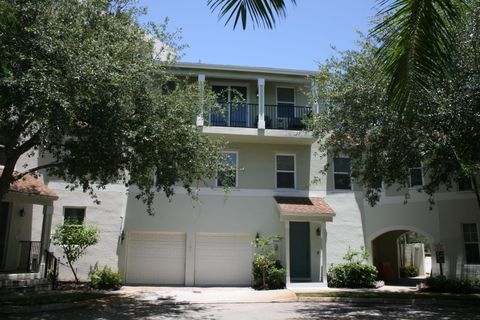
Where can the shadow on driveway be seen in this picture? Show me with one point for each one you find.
(371, 311)
(122, 308)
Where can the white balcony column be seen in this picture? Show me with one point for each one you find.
(287, 251)
(201, 87)
(316, 101)
(45, 236)
(323, 265)
(261, 103)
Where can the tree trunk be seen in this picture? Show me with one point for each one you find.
(73, 271)
(7, 177)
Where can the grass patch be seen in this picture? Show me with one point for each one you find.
(392, 295)
(51, 298)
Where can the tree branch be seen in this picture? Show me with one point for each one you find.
(45, 166)
(27, 145)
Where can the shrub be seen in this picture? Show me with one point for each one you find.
(409, 271)
(104, 278)
(354, 273)
(442, 284)
(267, 270)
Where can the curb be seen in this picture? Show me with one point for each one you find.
(422, 302)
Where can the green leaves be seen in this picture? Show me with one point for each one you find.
(383, 144)
(74, 240)
(87, 90)
(262, 13)
(416, 44)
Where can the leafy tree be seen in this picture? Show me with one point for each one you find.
(74, 239)
(86, 86)
(443, 136)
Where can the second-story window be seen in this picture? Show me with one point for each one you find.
(228, 177)
(74, 215)
(416, 176)
(285, 102)
(285, 171)
(341, 174)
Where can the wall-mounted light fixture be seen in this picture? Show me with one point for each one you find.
(318, 232)
(21, 212)
(257, 237)
(122, 236)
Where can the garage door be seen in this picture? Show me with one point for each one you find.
(156, 258)
(223, 260)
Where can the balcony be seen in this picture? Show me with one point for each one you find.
(246, 115)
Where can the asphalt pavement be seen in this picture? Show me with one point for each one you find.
(153, 310)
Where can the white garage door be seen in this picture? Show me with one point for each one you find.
(223, 260)
(156, 258)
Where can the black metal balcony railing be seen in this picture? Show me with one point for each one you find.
(29, 256)
(245, 115)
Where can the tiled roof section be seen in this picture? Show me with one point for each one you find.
(30, 185)
(305, 206)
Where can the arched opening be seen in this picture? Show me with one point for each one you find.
(402, 256)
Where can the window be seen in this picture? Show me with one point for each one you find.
(74, 215)
(465, 184)
(285, 102)
(416, 176)
(285, 171)
(341, 174)
(228, 177)
(3, 157)
(470, 239)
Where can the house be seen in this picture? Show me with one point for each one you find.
(33, 208)
(210, 241)
(278, 191)
(24, 262)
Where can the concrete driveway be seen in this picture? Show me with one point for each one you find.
(207, 295)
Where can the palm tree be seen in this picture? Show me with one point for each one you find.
(415, 38)
(262, 13)
(415, 45)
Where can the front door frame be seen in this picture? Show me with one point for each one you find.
(322, 254)
(307, 258)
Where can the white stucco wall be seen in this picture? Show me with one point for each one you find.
(20, 229)
(107, 217)
(210, 213)
(346, 228)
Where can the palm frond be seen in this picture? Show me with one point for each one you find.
(262, 13)
(415, 44)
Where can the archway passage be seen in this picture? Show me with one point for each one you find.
(402, 256)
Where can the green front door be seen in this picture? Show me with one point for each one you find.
(299, 251)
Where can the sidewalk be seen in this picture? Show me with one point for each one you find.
(236, 294)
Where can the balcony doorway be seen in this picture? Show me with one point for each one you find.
(233, 101)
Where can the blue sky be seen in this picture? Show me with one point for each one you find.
(299, 41)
